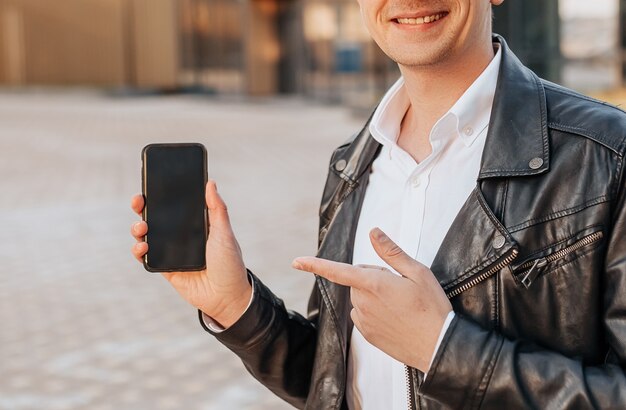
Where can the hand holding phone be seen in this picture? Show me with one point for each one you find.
(221, 289)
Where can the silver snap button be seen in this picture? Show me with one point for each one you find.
(498, 241)
(535, 163)
(341, 165)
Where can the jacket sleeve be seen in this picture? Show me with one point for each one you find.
(277, 346)
(476, 368)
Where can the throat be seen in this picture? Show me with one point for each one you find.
(414, 136)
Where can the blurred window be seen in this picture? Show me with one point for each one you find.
(342, 63)
(212, 44)
(590, 44)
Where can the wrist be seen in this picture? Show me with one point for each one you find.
(431, 342)
(233, 309)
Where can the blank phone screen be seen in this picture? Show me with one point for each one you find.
(174, 179)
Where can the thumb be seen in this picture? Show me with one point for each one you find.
(219, 221)
(394, 256)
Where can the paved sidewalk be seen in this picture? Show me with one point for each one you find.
(82, 325)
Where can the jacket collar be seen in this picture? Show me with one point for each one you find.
(517, 142)
(352, 163)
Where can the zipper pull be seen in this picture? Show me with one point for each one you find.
(533, 272)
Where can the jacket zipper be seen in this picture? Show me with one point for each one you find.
(483, 276)
(454, 292)
(409, 393)
(534, 266)
(526, 280)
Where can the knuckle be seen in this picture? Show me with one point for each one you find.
(376, 284)
(373, 283)
(394, 250)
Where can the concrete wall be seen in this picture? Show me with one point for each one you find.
(154, 40)
(12, 62)
(122, 43)
(66, 41)
(94, 42)
(262, 48)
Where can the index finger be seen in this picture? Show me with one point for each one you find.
(340, 273)
(137, 203)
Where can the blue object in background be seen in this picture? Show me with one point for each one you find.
(349, 58)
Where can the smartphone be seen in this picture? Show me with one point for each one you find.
(174, 178)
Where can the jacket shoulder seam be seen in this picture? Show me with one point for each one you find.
(569, 93)
(617, 145)
(587, 133)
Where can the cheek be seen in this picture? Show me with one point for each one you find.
(369, 14)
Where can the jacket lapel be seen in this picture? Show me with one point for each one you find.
(517, 145)
(475, 242)
(337, 237)
(517, 142)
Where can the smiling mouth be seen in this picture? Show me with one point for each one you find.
(420, 20)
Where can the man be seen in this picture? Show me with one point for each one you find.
(498, 279)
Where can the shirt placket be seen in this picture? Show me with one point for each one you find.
(413, 211)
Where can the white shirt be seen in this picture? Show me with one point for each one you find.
(414, 204)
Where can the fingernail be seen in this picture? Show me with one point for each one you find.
(379, 235)
(296, 264)
(136, 226)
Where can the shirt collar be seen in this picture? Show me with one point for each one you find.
(472, 110)
(386, 121)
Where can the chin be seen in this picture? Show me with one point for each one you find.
(418, 51)
(417, 58)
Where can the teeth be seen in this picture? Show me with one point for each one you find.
(420, 20)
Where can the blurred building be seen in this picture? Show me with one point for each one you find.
(252, 47)
(533, 29)
(94, 42)
(317, 48)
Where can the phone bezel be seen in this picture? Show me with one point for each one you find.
(144, 153)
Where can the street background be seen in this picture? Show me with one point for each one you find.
(82, 325)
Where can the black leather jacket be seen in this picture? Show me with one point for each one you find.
(534, 265)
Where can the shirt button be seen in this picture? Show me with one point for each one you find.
(416, 182)
(469, 131)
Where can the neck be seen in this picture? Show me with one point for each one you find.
(433, 90)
